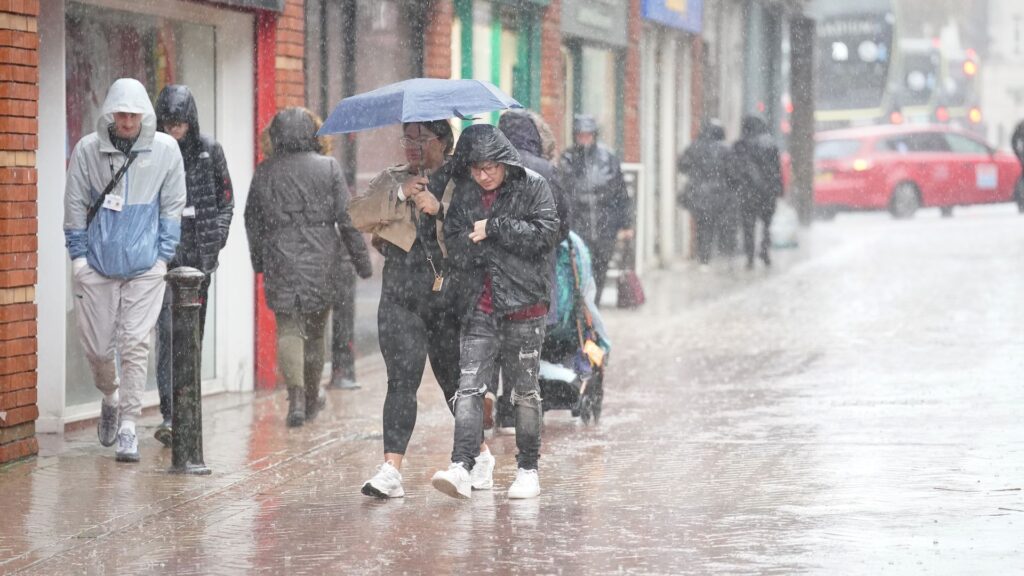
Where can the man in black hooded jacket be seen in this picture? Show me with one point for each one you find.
(500, 232)
(759, 176)
(204, 222)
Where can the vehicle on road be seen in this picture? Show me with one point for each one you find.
(904, 168)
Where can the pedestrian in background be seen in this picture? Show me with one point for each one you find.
(500, 231)
(707, 163)
(759, 178)
(297, 207)
(205, 222)
(123, 200)
(600, 206)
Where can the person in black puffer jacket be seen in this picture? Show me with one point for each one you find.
(760, 184)
(297, 208)
(204, 224)
(500, 232)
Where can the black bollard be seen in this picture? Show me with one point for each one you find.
(187, 442)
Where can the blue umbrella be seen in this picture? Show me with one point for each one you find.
(416, 100)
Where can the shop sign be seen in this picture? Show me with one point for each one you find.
(682, 14)
(275, 5)
(603, 21)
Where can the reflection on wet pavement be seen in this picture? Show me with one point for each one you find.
(857, 409)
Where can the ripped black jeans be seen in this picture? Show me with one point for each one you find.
(489, 343)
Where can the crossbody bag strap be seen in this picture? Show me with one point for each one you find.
(110, 186)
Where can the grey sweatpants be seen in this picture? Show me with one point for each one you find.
(116, 317)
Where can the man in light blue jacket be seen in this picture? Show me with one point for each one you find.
(122, 220)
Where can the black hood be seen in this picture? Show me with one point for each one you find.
(519, 128)
(294, 130)
(176, 104)
(752, 127)
(712, 130)
(483, 143)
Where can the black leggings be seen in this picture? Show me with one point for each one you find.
(409, 333)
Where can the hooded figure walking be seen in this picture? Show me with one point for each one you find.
(205, 222)
(122, 219)
(500, 230)
(709, 190)
(759, 176)
(297, 207)
(601, 209)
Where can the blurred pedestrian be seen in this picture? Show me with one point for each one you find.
(123, 201)
(600, 207)
(405, 207)
(500, 231)
(759, 178)
(297, 207)
(205, 222)
(707, 163)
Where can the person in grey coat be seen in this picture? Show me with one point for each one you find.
(297, 207)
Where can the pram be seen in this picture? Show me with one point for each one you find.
(576, 346)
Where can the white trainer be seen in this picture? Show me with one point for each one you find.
(386, 483)
(454, 481)
(481, 477)
(526, 485)
(127, 446)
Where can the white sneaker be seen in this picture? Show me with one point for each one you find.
(127, 446)
(454, 481)
(526, 485)
(481, 477)
(386, 483)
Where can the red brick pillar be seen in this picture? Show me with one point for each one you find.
(19, 95)
(631, 115)
(290, 86)
(437, 40)
(552, 74)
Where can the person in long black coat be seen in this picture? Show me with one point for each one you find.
(297, 207)
(710, 190)
(759, 176)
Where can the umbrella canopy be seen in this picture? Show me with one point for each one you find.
(416, 100)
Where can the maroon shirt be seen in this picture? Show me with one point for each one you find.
(486, 302)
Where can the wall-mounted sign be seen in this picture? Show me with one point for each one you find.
(604, 21)
(682, 14)
(275, 5)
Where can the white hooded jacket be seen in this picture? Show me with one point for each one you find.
(125, 243)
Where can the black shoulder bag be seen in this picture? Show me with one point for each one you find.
(110, 186)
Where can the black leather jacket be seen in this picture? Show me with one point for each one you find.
(522, 227)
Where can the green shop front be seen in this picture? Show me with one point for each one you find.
(594, 41)
(499, 41)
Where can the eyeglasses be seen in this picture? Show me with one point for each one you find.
(415, 142)
(489, 168)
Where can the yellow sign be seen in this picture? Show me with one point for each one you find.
(676, 6)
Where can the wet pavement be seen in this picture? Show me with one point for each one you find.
(855, 410)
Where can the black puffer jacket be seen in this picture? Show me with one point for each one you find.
(518, 126)
(709, 164)
(521, 227)
(211, 202)
(599, 202)
(297, 206)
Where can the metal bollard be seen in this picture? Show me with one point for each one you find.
(187, 442)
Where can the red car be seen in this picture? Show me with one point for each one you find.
(903, 168)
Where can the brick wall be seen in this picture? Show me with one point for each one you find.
(437, 40)
(290, 85)
(19, 95)
(631, 114)
(552, 74)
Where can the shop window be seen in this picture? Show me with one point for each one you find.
(103, 45)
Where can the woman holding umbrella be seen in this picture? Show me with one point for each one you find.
(404, 208)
